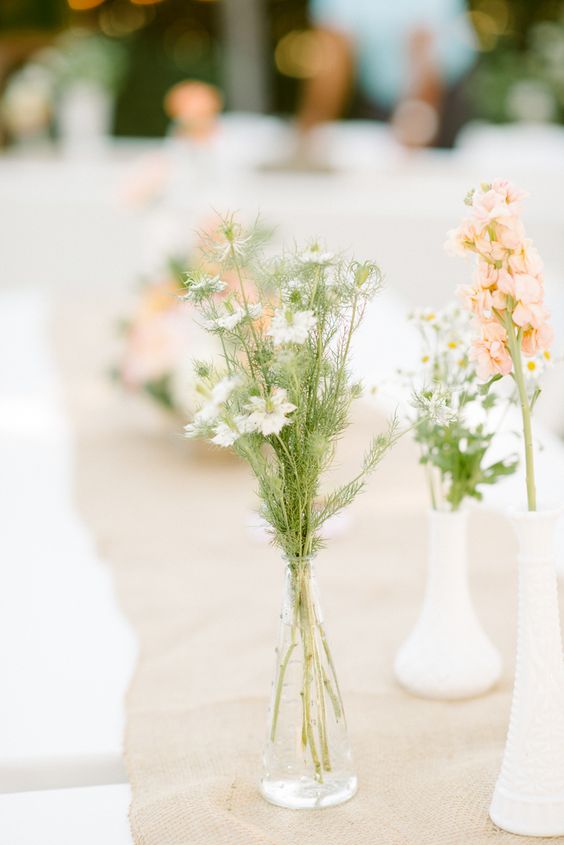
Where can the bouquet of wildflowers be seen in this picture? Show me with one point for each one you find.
(452, 412)
(160, 337)
(281, 400)
(507, 299)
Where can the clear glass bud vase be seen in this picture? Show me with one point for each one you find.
(307, 759)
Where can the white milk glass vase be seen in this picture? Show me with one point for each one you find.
(529, 794)
(307, 758)
(447, 655)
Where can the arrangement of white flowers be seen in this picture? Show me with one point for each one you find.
(285, 382)
(281, 400)
(452, 412)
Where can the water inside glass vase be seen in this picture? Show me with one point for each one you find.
(307, 759)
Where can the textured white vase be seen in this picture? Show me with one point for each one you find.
(448, 655)
(529, 794)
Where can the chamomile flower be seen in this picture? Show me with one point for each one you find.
(289, 326)
(270, 415)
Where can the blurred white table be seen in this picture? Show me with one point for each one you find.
(65, 649)
(95, 815)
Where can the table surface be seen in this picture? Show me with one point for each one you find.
(69, 652)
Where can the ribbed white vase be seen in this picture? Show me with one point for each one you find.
(448, 655)
(529, 794)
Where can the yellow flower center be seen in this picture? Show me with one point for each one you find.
(453, 344)
(546, 355)
(531, 365)
(425, 359)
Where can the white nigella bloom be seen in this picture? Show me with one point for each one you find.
(254, 310)
(228, 321)
(211, 410)
(289, 326)
(237, 245)
(202, 288)
(225, 434)
(315, 255)
(435, 405)
(224, 388)
(196, 428)
(269, 415)
(231, 319)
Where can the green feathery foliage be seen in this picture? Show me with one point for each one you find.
(283, 399)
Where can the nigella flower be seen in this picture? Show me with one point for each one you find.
(269, 415)
(231, 319)
(314, 255)
(234, 245)
(434, 405)
(225, 435)
(200, 288)
(224, 388)
(289, 326)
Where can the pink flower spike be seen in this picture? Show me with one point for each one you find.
(537, 340)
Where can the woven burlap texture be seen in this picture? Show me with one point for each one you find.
(202, 596)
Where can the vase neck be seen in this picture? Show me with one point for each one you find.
(536, 535)
(447, 547)
(300, 588)
(300, 566)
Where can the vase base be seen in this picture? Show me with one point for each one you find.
(527, 817)
(438, 693)
(307, 793)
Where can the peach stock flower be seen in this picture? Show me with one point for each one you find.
(490, 352)
(507, 299)
(537, 340)
(508, 289)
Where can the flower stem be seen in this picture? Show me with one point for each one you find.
(515, 341)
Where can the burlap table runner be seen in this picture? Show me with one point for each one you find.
(203, 598)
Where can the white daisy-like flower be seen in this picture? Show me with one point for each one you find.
(225, 435)
(434, 404)
(254, 310)
(224, 388)
(238, 245)
(289, 326)
(316, 256)
(202, 289)
(196, 428)
(269, 415)
(231, 319)
(228, 321)
(535, 367)
(424, 315)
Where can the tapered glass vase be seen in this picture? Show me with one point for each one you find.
(529, 794)
(307, 758)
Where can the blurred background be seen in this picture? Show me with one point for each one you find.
(259, 53)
